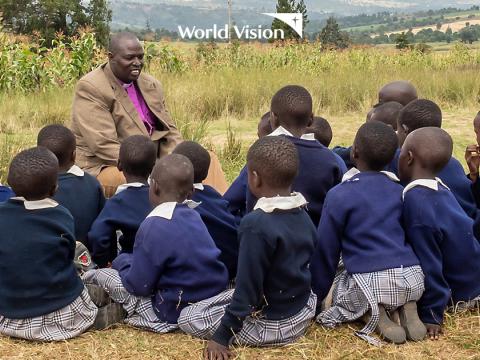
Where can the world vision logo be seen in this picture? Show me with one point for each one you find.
(294, 20)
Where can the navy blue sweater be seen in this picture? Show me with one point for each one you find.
(362, 220)
(5, 193)
(441, 235)
(83, 197)
(236, 195)
(273, 275)
(454, 177)
(318, 172)
(36, 260)
(221, 225)
(125, 212)
(175, 262)
(344, 153)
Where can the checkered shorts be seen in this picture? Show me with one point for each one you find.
(202, 319)
(355, 294)
(65, 323)
(139, 310)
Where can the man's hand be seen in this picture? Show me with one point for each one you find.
(434, 331)
(472, 157)
(215, 351)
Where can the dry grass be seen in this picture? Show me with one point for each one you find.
(460, 341)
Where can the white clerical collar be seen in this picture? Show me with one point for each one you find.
(293, 201)
(126, 186)
(354, 171)
(429, 183)
(36, 204)
(166, 209)
(282, 131)
(75, 170)
(198, 186)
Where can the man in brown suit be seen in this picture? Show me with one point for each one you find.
(116, 101)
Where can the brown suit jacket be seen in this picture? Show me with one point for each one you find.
(103, 116)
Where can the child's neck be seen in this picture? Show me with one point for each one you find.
(421, 173)
(135, 179)
(274, 192)
(362, 166)
(295, 131)
(64, 168)
(165, 198)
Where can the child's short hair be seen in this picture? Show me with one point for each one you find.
(293, 105)
(174, 174)
(33, 173)
(420, 113)
(138, 155)
(264, 127)
(59, 140)
(199, 157)
(276, 159)
(376, 143)
(387, 113)
(322, 130)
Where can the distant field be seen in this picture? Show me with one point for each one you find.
(455, 26)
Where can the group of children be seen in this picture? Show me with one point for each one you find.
(383, 232)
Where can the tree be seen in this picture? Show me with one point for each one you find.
(468, 35)
(331, 36)
(402, 41)
(48, 17)
(290, 6)
(449, 35)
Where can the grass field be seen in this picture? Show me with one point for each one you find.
(206, 100)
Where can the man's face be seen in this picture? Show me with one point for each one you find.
(127, 60)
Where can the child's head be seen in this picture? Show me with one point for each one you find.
(399, 91)
(387, 113)
(33, 173)
(417, 114)
(374, 146)
(321, 129)
(137, 157)
(424, 154)
(171, 180)
(61, 141)
(264, 127)
(199, 157)
(476, 127)
(291, 108)
(272, 164)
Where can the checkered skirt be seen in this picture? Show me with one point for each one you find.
(65, 323)
(355, 294)
(139, 310)
(202, 319)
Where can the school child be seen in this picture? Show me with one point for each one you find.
(362, 222)
(77, 191)
(236, 195)
(124, 212)
(400, 91)
(42, 297)
(437, 228)
(212, 208)
(424, 113)
(272, 303)
(5, 193)
(174, 261)
(322, 132)
(472, 157)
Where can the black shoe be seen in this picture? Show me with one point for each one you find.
(109, 315)
(98, 295)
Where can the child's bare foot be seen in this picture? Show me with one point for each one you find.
(388, 329)
(434, 331)
(414, 327)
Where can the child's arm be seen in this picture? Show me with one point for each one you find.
(102, 236)
(426, 244)
(326, 256)
(141, 270)
(236, 195)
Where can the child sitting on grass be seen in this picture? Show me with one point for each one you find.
(212, 208)
(77, 191)
(362, 222)
(437, 228)
(272, 303)
(174, 261)
(126, 210)
(42, 297)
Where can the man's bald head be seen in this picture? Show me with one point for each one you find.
(119, 39)
(125, 55)
(173, 178)
(401, 91)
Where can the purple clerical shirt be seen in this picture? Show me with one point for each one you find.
(138, 101)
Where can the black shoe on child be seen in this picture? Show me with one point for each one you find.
(109, 315)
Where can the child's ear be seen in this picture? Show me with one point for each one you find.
(274, 123)
(257, 180)
(354, 153)
(156, 188)
(74, 156)
(410, 158)
(190, 193)
(406, 129)
(119, 166)
(310, 120)
(53, 190)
